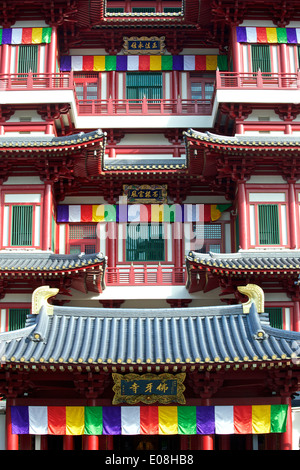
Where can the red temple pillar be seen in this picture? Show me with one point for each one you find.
(296, 315)
(68, 443)
(292, 216)
(52, 52)
(46, 219)
(235, 51)
(90, 442)
(286, 438)
(5, 58)
(242, 214)
(111, 244)
(12, 440)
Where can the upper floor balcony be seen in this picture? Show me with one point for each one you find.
(87, 110)
(257, 87)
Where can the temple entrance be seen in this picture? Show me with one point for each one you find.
(156, 443)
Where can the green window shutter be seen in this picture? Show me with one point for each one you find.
(17, 318)
(172, 9)
(261, 59)
(115, 10)
(139, 85)
(21, 225)
(268, 224)
(145, 243)
(28, 59)
(275, 317)
(143, 10)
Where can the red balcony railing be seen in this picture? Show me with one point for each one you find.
(145, 106)
(145, 274)
(257, 80)
(36, 81)
(65, 81)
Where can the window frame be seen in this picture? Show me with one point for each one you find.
(81, 241)
(163, 238)
(146, 73)
(203, 79)
(287, 313)
(85, 81)
(4, 313)
(253, 219)
(37, 216)
(214, 241)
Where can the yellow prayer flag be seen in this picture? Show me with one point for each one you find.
(155, 62)
(74, 420)
(37, 34)
(211, 62)
(99, 63)
(98, 213)
(215, 214)
(271, 35)
(157, 213)
(167, 419)
(261, 419)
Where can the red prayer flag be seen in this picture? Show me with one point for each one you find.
(149, 420)
(200, 62)
(261, 35)
(26, 35)
(144, 62)
(86, 213)
(88, 63)
(242, 419)
(57, 420)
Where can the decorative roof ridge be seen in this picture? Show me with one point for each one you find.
(51, 141)
(281, 254)
(242, 140)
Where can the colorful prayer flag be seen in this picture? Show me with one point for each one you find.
(149, 420)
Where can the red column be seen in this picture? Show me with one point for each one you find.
(52, 52)
(68, 443)
(286, 438)
(292, 216)
(90, 442)
(5, 59)
(111, 244)
(296, 315)
(46, 219)
(12, 440)
(177, 241)
(224, 441)
(235, 51)
(242, 213)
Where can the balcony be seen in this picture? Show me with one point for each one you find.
(154, 107)
(151, 113)
(257, 87)
(145, 275)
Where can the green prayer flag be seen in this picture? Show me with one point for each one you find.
(166, 62)
(187, 421)
(93, 424)
(46, 35)
(110, 63)
(222, 62)
(278, 418)
(0, 36)
(281, 35)
(223, 207)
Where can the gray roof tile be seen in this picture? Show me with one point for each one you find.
(202, 335)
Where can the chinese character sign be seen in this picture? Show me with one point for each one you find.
(148, 388)
(144, 45)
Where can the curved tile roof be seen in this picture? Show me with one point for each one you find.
(50, 141)
(280, 260)
(244, 141)
(206, 335)
(44, 261)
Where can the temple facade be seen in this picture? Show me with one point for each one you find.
(150, 225)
